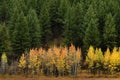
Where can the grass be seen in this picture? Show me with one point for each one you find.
(82, 76)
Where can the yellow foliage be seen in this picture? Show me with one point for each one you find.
(34, 62)
(99, 55)
(56, 50)
(64, 52)
(115, 57)
(72, 49)
(22, 61)
(90, 56)
(60, 64)
(78, 56)
(4, 58)
(60, 57)
(107, 56)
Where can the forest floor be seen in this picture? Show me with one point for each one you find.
(79, 77)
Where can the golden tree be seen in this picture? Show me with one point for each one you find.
(114, 60)
(90, 58)
(34, 62)
(22, 62)
(106, 61)
(98, 60)
(60, 64)
(4, 62)
(49, 61)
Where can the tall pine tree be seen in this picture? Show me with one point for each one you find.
(73, 25)
(34, 29)
(45, 24)
(92, 35)
(110, 32)
(21, 38)
(4, 11)
(4, 40)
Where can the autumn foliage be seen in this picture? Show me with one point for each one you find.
(55, 61)
(61, 61)
(108, 62)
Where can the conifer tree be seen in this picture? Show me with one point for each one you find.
(34, 28)
(21, 38)
(4, 39)
(14, 11)
(73, 31)
(12, 22)
(53, 11)
(45, 24)
(69, 18)
(110, 32)
(4, 11)
(92, 35)
(32, 4)
(78, 24)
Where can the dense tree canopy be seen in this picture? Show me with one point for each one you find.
(30, 24)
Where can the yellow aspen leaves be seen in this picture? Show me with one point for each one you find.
(90, 57)
(64, 59)
(22, 61)
(60, 58)
(4, 63)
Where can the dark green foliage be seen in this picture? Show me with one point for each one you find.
(3, 11)
(56, 19)
(34, 29)
(21, 37)
(57, 14)
(12, 22)
(101, 13)
(45, 24)
(4, 39)
(118, 27)
(109, 34)
(68, 25)
(48, 22)
(74, 25)
(92, 35)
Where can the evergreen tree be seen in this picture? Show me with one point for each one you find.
(32, 4)
(117, 19)
(78, 24)
(92, 35)
(34, 29)
(60, 20)
(54, 24)
(101, 13)
(73, 25)
(45, 24)
(39, 6)
(68, 29)
(110, 32)
(3, 11)
(15, 8)
(21, 39)
(4, 40)
(12, 22)
(57, 14)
